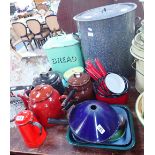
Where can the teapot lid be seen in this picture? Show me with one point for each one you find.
(79, 79)
(41, 93)
(53, 76)
(23, 117)
(71, 71)
(46, 78)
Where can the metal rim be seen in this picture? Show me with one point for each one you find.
(87, 20)
(136, 109)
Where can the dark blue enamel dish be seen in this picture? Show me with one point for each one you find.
(93, 121)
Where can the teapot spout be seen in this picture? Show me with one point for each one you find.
(25, 99)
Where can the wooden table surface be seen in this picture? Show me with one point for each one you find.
(56, 144)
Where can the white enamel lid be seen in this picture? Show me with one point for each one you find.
(115, 83)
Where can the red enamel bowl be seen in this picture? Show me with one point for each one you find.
(113, 100)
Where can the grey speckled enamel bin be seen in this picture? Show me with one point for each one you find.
(106, 32)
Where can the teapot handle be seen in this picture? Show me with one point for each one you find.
(70, 95)
(66, 107)
(37, 124)
(62, 98)
(58, 121)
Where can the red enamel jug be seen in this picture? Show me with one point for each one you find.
(31, 130)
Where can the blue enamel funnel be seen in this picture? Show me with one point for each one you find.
(93, 121)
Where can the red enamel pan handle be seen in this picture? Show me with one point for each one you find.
(101, 67)
(93, 69)
(91, 73)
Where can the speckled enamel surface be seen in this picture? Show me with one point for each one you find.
(110, 41)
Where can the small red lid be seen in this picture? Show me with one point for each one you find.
(23, 117)
(40, 93)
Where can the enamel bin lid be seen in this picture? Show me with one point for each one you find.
(60, 41)
(105, 12)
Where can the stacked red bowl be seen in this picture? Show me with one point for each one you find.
(113, 91)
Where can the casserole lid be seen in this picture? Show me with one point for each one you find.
(105, 12)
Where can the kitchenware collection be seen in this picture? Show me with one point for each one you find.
(85, 87)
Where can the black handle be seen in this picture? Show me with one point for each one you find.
(137, 20)
(58, 121)
(50, 70)
(70, 95)
(37, 124)
(135, 68)
(76, 36)
(12, 120)
(69, 105)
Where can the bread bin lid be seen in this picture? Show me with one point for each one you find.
(105, 12)
(60, 41)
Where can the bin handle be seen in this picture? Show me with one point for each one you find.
(135, 68)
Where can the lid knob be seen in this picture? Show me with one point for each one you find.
(77, 75)
(104, 10)
(44, 75)
(39, 87)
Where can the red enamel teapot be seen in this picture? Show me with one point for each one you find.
(45, 102)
